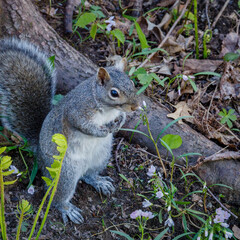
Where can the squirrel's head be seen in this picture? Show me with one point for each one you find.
(116, 89)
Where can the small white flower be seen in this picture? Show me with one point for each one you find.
(12, 167)
(144, 104)
(140, 108)
(199, 238)
(146, 203)
(211, 236)
(148, 215)
(206, 233)
(110, 23)
(179, 91)
(184, 77)
(31, 190)
(169, 222)
(151, 171)
(169, 208)
(135, 214)
(228, 235)
(159, 194)
(224, 225)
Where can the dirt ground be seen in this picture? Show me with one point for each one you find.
(102, 214)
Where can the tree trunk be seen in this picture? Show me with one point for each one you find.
(21, 19)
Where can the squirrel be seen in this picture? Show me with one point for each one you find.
(87, 116)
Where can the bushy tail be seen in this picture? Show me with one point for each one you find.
(27, 85)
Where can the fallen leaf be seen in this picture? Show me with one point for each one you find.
(230, 83)
(230, 43)
(196, 65)
(236, 231)
(182, 110)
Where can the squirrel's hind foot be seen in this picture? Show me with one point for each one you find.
(101, 184)
(70, 211)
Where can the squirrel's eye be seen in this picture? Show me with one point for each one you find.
(114, 93)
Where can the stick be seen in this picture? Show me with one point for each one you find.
(219, 14)
(168, 34)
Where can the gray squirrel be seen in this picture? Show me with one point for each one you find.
(87, 116)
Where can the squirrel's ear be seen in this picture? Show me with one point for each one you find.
(121, 65)
(102, 76)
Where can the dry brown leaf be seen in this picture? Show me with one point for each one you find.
(172, 95)
(230, 83)
(196, 65)
(236, 231)
(230, 43)
(182, 110)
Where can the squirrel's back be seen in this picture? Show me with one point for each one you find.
(27, 85)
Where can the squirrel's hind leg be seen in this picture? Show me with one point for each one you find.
(65, 191)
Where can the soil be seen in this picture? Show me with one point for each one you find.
(103, 214)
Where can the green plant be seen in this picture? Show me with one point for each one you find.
(206, 39)
(144, 78)
(54, 171)
(25, 210)
(5, 162)
(196, 27)
(232, 56)
(146, 122)
(227, 117)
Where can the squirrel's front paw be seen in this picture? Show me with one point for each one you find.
(104, 185)
(68, 210)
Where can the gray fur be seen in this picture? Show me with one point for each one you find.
(87, 116)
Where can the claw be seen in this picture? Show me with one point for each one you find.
(73, 213)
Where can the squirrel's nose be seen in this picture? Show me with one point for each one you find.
(135, 106)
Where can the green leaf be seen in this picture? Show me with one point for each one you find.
(229, 123)
(145, 78)
(47, 180)
(132, 70)
(193, 84)
(135, 131)
(231, 56)
(10, 182)
(117, 33)
(7, 173)
(6, 162)
(170, 124)
(161, 82)
(208, 73)
(2, 149)
(57, 98)
(52, 60)
(173, 141)
(182, 235)
(160, 235)
(142, 88)
(93, 31)
(142, 38)
(33, 173)
(122, 234)
(85, 19)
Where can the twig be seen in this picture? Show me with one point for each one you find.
(210, 105)
(215, 157)
(68, 16)
(210, 192)
(206, 12)
(219, 14)
(168, 34)
(116, 155)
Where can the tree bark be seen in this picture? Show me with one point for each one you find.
(21, 19)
